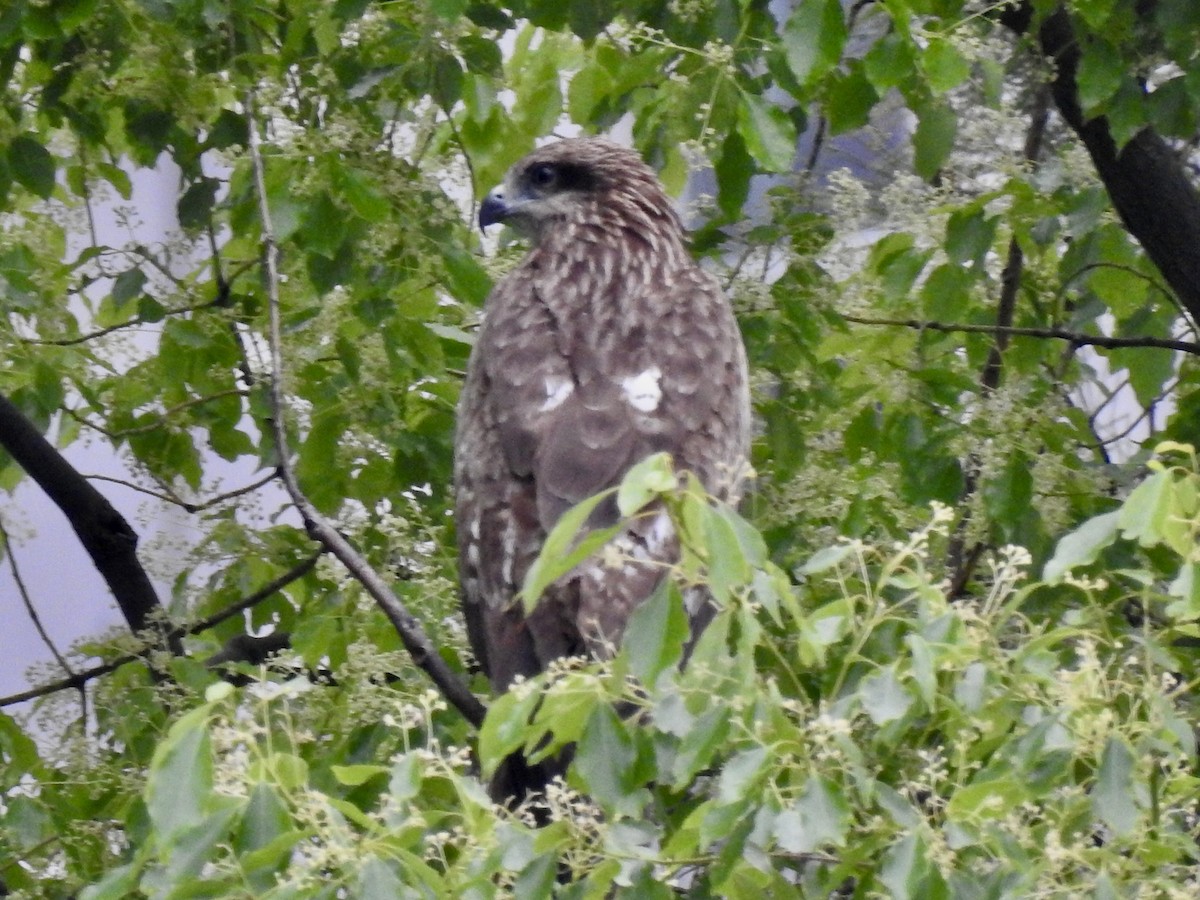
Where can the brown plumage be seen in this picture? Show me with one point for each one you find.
(606, 344)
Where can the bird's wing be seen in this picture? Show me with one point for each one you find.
(671, 379)
(679, 386)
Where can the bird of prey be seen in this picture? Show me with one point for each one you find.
(606, 344)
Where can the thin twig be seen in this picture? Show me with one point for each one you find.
(1058, 334)
(183, 504)
(162, 417)
(412, 635)
(81, 678)
(132, 323)
(27, 601)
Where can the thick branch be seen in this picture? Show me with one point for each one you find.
(103, 531)
(412, 635)
(1145, 179)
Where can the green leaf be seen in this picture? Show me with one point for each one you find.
(728, 568)
(901, 869)
(970, 690)
(127, 286)
(32, 165)
(590, 87)
(946, 292)
(1099, 75)
(606, 761)
(357, 774)
(537, 878)
(563, 714)
(180, 780)
(986, 800)
(733, 169)
(849, 101)
(1112, 797)
(933, 139)
(944, 66)
(405, 781)
(923, 670)
(193, 848)
(701, 744)
(264, 819)
(645, 481)
(813, 38)
(1144, 514)
(969, 236)
(1083, 545)
(195, 206)
(819, 819)
(740, 775)
(656, 633)
(466, 278)
(364, 196)
(377, 881)
(290, 770)
(826, 558)
(769, 134)
(118, 883)
(565, 547)
(117, 177)
(883, 697)
(1186, 586)
(505, 727)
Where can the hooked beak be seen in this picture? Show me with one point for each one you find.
(494, 210)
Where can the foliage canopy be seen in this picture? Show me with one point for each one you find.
(957, 651)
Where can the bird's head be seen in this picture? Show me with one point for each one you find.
(573, 181)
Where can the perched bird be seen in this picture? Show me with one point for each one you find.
(605, 345)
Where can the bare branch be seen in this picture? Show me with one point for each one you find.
(79, 679)
(296, 572)
(1058, 334)
(28, 602)
(412, 635)
(183, 504)
(162, 416)
(132, 323)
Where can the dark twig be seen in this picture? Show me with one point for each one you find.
(28, 602)
(132, 323)
(79, 679)
(161, 419)
(1058, 334)
(183, 504)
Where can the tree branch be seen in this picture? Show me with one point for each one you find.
(103, 531)
(1060, 334)
(412, 635)
(183, 504)
(1147, 183)
(132, 323)
(27, 601)
(162, 417)
(79, 679)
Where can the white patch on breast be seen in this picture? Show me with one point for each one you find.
(557, 391)
(662, 530)
(643, 391)
(508, 541)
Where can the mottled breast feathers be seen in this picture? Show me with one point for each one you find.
(606, 344)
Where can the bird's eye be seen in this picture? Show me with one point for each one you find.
(543, 175)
